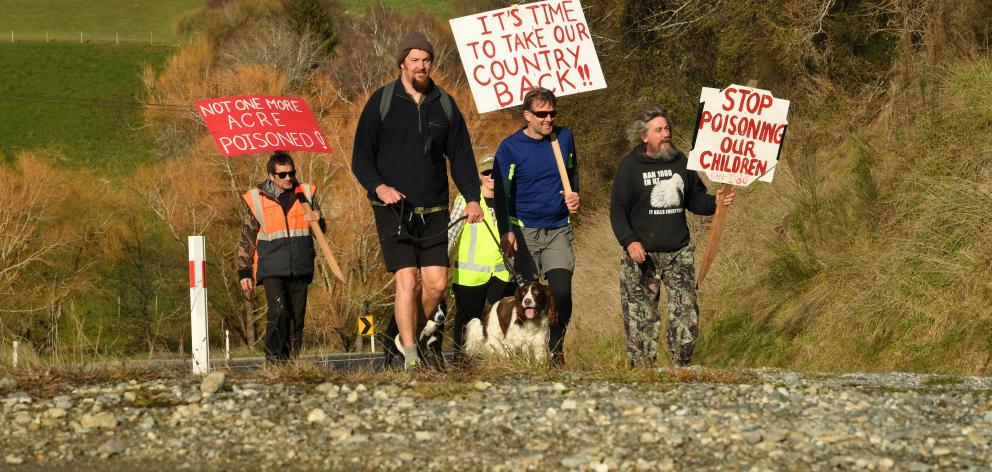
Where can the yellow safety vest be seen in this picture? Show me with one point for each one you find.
(478, 256)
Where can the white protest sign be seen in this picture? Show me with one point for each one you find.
(510, 51)
(739, 134)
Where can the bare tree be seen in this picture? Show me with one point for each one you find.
(275, 45)
(673, 18)
(42, 258)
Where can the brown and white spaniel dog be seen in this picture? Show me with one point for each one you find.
(517, 324)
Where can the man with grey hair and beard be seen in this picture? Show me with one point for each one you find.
(652, 189)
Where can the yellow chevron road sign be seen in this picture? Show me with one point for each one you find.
(365, 326)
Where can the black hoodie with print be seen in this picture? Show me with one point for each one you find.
(649, 200)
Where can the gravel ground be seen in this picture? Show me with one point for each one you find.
(753, 420)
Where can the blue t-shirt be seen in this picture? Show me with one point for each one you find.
(529, 180)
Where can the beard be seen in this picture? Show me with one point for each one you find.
(664, 155)
(420, 85)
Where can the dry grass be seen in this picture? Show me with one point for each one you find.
(595, 337)
(495, 371)
(47, 381)
(843, 275)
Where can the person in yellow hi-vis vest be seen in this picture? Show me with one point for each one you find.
(479, 273)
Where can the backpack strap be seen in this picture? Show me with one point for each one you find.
(386, 99)
(445, 102)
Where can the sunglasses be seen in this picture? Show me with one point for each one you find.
(544, 114)
(283, 175)
(486, 172)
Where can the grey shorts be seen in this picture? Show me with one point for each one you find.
(542, 249)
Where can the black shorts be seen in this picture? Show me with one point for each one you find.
(423, 241)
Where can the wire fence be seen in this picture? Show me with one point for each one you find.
(150, 38)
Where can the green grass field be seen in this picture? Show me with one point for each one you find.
(98, 20)
(55, 96)
(440, 8)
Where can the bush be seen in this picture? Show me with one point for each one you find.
(316, 19)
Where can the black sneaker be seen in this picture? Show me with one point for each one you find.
(390, 355)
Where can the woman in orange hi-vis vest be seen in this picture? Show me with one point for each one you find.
(277, 252)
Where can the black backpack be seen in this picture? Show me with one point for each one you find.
(387, 98)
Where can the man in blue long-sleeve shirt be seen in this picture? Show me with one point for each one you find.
(532, 206)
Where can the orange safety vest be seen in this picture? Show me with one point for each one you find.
(283, 247)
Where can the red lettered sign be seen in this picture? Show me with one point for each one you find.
(250, 124)
(739, 134)
(508, 52)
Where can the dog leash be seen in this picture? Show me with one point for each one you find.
(403, 233)
(506, 261)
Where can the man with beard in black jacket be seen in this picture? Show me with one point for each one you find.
(651, 191)
(405, 132)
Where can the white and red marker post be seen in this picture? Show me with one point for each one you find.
(198, 304)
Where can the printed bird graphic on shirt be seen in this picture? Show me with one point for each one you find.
(668, 193)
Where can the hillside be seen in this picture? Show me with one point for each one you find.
(868, 251)
(100, 20)
(78, 99)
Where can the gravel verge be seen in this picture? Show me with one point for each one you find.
(751, 420)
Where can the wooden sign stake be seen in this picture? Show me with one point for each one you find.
(714, 240)
(561, 164)
(324, 248)
(713, 243)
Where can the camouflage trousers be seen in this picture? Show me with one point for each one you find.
(640, 290)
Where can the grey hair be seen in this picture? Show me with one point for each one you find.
(638, 128)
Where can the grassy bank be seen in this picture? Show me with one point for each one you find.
(877, 258)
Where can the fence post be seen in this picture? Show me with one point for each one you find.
(117, 38)
(46, 37)
(199, 338)
(11, 36)
(80, 37)
(13, 355)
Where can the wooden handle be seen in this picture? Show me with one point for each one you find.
(714, 240)
(324, 248)
(721, 212)
(561, 164)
